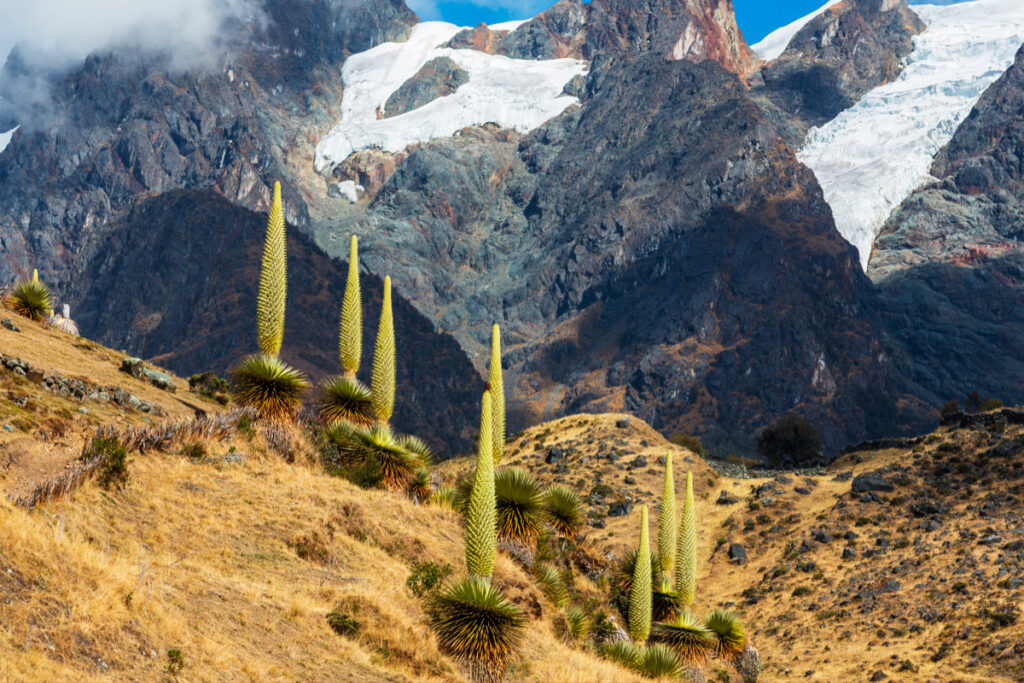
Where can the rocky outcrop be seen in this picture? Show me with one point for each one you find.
(838, 56)
(436, 78)
(175, 280)
(677, 29)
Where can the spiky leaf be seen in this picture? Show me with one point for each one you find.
(377, 449)
(481, 517)
(345, 398)
(419, 486)
(446, 497)
(31, 298)
(273, 281)
(497, 388)
(666, 605)
(622, 652)
(383, 382)
(478, 627)
(667, 520)
(686, 550)
(688, 636)
(658, 661)
(269, 386)
(729, 635)
(563, 510)
(552, 585)
(350, 332)
(640, 597)
(577, 624)
(519, 506)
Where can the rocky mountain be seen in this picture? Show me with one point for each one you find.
(644, 230)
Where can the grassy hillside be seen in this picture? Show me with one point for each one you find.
(233, 558)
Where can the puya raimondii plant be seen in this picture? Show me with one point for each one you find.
(496, 386)
(263, 381)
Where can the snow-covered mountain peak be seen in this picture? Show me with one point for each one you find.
(514, 93)
(774, 44)
(874, 154)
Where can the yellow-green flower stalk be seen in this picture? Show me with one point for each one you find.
(35, 275)
(350, 333)
(497, 388)
(481, 515)
(667, 521)
(640, 596)
(382, 385)
(686, 550)
(273, 281)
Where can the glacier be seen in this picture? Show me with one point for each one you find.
(774, 44)
(873, 155)
(5, 138)
(513, 93)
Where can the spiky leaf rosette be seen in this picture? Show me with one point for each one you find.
(622, 652)
(376, 447)
(728, 633)
(446, 497)
(686, 550)
(519, 506)
(31, 298)
(640, 596)
(273, 281)
(419, 486)
(551, 585)
(577, 624)
(688, 636)
(563, 510)
(623, 576)
(667, 520)
(665, 604)
(481, 517)
(383, 381)
(350, 332)
(658, 661)
(269, 386)
(416, 445)
(345, 398)
(478, 627)
(497, 388)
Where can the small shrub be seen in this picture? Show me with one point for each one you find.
(244, 425)
(175, 662)
(973, 402)
(113, 469)
(689, 442)
(991, 404)
(949, 408)
(343, 624)
(194, 450)
(791, 441)
(427, 576)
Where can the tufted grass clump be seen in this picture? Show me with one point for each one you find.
(658, 661)
(342, 624)
(376, 454)
(519, 506)
(446, 497)
(578, 624)
(563, 510)
(622, 652)
(345, 398)
(729, 635)
(31, 299)
(113, 461)
(268, 386)
(687, 636)
(551, 585)
(477, 627)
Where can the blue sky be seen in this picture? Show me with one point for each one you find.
(756, 17)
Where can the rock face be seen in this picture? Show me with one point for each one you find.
(176, 279)
(950, 257)
(838, 56)
(677, 29)
(437, 78)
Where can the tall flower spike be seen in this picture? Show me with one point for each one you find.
(686, 550)
(497, 388)
(35, 275)
(383, 382)
(481, 517)
(667, 521)
(350, 333)
(273, 281)
(640, 596)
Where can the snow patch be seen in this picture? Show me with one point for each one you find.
(350, 190)
(514, 93)
(774, 44)
(873, 155)
(5, 138)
